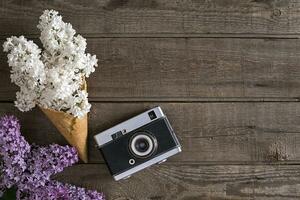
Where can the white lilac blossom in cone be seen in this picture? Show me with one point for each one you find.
(27, 70)
(52, 78)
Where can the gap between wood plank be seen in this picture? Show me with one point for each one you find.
(294, 163)
(186, 100)
(178, 35)
(194, 99)
(216, 163)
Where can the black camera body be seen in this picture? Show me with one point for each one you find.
(137, 143)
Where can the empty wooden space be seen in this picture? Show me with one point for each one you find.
(226, 73)
(188, 69)
(164, 18)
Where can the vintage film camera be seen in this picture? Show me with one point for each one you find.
(137, 143)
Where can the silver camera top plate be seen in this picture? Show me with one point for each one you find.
(127, 126)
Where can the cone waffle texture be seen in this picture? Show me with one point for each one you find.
(74, 129)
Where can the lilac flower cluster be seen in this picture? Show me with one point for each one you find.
(52, 78)
(13, 150)
(29, 168)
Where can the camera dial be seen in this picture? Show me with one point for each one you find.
(142, 144)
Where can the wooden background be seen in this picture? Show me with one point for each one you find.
(227, 73)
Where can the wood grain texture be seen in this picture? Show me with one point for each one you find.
(186, 181)
(217, 132)
(226, 73)
(35, 127)
(168, 69)
(155, 18)
(208, 132)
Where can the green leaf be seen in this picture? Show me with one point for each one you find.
(9, 194)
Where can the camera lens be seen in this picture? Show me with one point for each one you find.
(142, 144)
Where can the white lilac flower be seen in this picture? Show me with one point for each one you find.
(27, 70)
(26, 99)
(81, 103)
(54, 78)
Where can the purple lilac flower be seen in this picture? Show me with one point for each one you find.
(29, 168)
(58, 190)
(13, 149)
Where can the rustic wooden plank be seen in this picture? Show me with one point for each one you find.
(208, 132)
(35, 127)
(166, 69)
(134, 18)
(222, 132)
(185, 181)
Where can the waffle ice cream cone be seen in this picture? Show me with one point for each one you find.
(74, 129)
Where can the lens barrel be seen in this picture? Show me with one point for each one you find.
(142, 144)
